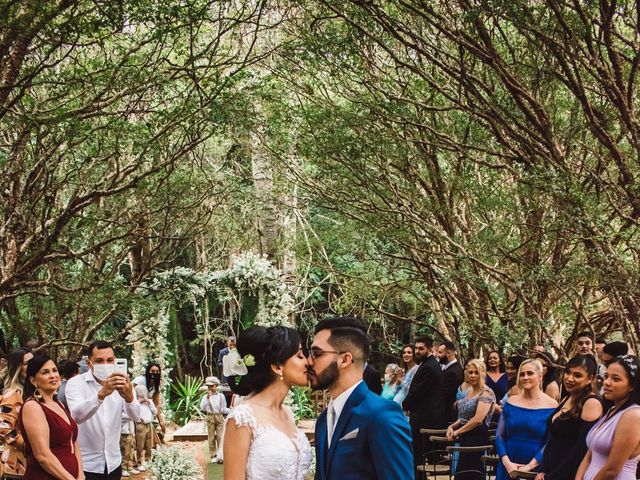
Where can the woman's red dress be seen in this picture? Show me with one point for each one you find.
(63, 433)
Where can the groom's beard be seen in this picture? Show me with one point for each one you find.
(326, 378)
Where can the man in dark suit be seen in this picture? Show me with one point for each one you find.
(372, 379)
(360, 435)
(452, 377)
(424, 399)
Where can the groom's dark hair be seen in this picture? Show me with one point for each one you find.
(348, 334)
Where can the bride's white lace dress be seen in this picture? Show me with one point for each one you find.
(273, 455)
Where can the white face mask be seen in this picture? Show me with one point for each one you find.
(387, 377)
(103, 370)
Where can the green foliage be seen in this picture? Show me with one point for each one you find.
(299, 400)
(187, 400)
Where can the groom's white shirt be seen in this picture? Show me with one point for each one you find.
(338, 404)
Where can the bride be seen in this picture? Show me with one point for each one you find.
(262, 441)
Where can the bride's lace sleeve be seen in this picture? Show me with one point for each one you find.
(243, 417)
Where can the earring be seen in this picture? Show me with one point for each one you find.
(37, 395)
(281, 377)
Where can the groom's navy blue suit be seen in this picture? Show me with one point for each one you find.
(379, 449)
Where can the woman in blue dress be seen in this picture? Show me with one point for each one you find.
(471, 427)
(497, 379)
(392, 379)
(409, 366)
(522, 431)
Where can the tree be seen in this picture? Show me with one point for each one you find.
(493, 145)
(105, 108)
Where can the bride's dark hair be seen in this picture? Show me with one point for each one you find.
(269, 346)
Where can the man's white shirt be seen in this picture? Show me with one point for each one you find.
(338, 404)
(99, 422)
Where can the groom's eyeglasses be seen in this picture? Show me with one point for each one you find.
(315, 352)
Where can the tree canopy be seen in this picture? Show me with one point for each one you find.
(465, 168)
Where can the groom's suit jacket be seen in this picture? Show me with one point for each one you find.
(372, 440)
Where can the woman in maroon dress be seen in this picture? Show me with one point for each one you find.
(49, 432)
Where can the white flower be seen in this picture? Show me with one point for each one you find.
(174, 463)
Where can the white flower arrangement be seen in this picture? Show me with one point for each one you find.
(174, 463)
(148, 335)
(250, 274)
(256, 275)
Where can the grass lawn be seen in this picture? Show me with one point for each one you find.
(213, 470)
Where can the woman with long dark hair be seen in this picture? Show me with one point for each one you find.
(410, 367)
(571, 421)
(13, 458)
(549, 383)
(496, 377)
(151, 380)
(49, 431)
(261, 438)
(511, 369)
(614, 442)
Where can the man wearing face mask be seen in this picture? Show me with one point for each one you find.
(96, 401)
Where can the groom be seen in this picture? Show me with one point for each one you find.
(360, 435)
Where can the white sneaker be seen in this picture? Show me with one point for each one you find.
(125, 473)
(214, 460)
(142, 468)
(135, 471)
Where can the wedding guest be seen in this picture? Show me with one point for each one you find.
(584, 343)
(472, 425)
(613, 350)
(214, 405)
(549, 383)
(602, 368)
(522, 431)
(235, 401)
(497, 379)
(570, 422)
(599, 346)
(68, 370)
(371, 376)
(50, 434)
(452, 378)
(96, 401)
(128, 446)
(152, 379)
(511, 367)
(614, 441)
(231, 344)
(144, 427)
(410, 366)
(392, 380)
(13, 457)
(424, 400)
